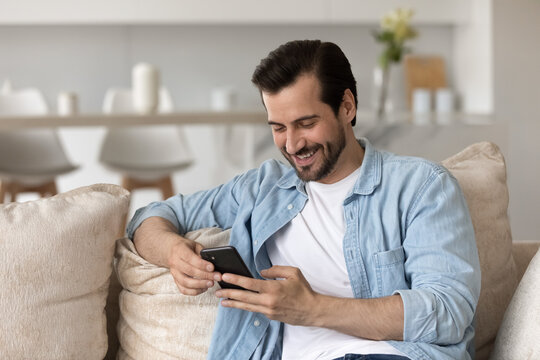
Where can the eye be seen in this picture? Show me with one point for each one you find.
(278, 128)
(307, 124)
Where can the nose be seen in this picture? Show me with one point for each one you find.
(295, 141)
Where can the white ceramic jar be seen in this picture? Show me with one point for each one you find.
(145, 83)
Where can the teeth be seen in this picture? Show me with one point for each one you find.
(306, 155)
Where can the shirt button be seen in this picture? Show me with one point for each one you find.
(257, 323)
(289, 206)
(255, 242)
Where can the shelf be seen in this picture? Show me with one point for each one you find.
(368, 117)
(178, 118)
(252, 117)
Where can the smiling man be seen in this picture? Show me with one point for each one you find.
(358, 253)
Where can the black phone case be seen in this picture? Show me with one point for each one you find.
(226, 259)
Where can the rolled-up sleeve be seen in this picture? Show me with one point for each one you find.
(211, 208)
(441, 264)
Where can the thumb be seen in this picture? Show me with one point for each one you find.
(278, 271)
(198, 248)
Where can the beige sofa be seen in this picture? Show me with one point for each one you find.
(522, 253)
(56, 259)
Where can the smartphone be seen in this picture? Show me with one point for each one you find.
(226, 259)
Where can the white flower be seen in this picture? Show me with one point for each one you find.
(397, 22)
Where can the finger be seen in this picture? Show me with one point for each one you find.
(194, 258)
(198, 248)
(191, 292)
(243, 281)
(193, 272)
(240, 295)
(277, 271)
(187, 291)
(196, 273)
(190, 282)
(244, 306)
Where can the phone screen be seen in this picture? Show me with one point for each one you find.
(226, 259)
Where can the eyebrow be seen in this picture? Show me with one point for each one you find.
(302, 118)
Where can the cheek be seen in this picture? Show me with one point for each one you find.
(279, 139)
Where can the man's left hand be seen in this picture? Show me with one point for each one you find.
(289, 299)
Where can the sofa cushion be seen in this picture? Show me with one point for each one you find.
(481, 172)
(520, 330)
(55, 263)
(156, 320)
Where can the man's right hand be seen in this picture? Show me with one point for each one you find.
(158, 242)
(192, 274)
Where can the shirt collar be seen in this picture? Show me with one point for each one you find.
(371, 169)
(290, 180)
(368, 180)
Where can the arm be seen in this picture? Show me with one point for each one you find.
(157, 241)
(441, 264)
(292, 301)
(155, 228)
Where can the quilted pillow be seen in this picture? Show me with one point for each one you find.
(481, 172)
(56, 257)
(156, 320)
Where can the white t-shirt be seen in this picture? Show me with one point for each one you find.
(313, 242)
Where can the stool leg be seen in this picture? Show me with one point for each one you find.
(166, 187)
(14, 189)
(52, 189)
(127, 183)
(48, 189)
(3, 186)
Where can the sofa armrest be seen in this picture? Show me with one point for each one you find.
(523, 252)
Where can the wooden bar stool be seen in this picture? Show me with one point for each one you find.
(146, 156)
(30, 159)
(12, 189)
(164, 185)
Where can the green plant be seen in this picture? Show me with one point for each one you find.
(394, 30)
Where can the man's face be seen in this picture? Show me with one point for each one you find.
(306, 130)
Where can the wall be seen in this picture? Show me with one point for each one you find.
(516, 26)
(193, 59)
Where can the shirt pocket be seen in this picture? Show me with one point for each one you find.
(390, 271)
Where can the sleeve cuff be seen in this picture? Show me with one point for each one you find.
(154, 209)
(420, 315)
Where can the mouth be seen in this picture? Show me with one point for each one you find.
(305, 158)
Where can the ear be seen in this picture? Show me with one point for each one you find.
(348, 106)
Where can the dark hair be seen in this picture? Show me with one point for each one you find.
(282, 67)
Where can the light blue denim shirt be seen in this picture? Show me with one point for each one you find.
(408, 232)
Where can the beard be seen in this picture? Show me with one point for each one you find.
(330, 153)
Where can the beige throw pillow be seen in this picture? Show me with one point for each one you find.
(481, 172)
(156, 320)
(520, 330)
(56, 259)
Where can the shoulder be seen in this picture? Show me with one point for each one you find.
(411, 167)
(265, 177)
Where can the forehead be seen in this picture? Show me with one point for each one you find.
(295, 100)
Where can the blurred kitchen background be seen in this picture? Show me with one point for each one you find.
(490, 50)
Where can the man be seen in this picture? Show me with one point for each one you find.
(354, 251)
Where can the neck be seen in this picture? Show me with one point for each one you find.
(350, 159)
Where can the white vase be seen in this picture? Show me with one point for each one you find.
(381, 98)
(145, 83)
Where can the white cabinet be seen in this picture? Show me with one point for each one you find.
(224, 11)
